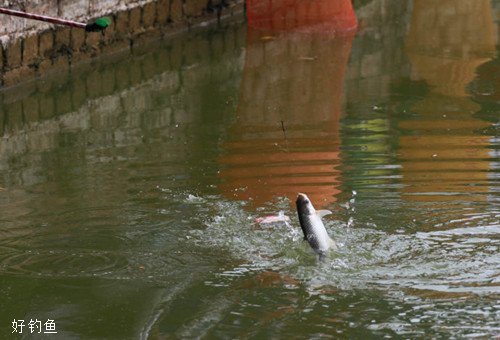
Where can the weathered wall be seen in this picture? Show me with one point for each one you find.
(29, 48)
(80, 10)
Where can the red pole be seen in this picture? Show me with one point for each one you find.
(42, 18)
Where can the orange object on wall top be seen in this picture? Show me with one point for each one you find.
(299, 15)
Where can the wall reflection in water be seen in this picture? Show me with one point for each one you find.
(87, 161)
(442, 152)
(285, 138)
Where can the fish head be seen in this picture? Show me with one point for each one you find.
(304, 205)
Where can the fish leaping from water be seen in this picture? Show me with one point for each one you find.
(312, 226)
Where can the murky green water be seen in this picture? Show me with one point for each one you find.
(129, 188)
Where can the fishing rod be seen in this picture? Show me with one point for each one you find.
(95, 26)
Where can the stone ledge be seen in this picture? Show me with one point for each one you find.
(29, 50)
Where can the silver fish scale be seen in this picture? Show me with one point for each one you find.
(316, 233)
(313, 227)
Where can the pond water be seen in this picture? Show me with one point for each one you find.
(130, 186)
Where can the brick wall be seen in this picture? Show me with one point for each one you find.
(30, 48)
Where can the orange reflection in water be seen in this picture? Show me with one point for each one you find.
(285, 138)
(448, 40)
(445, 155)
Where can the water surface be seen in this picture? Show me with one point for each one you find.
(130, 187)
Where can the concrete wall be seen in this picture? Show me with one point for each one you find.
(29, 48)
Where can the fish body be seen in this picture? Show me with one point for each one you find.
(313, 227)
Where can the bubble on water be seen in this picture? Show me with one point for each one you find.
(350, 222)
(218, 219)
(167, 190)
(346, 206)
(194, 199)
(339, 263)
